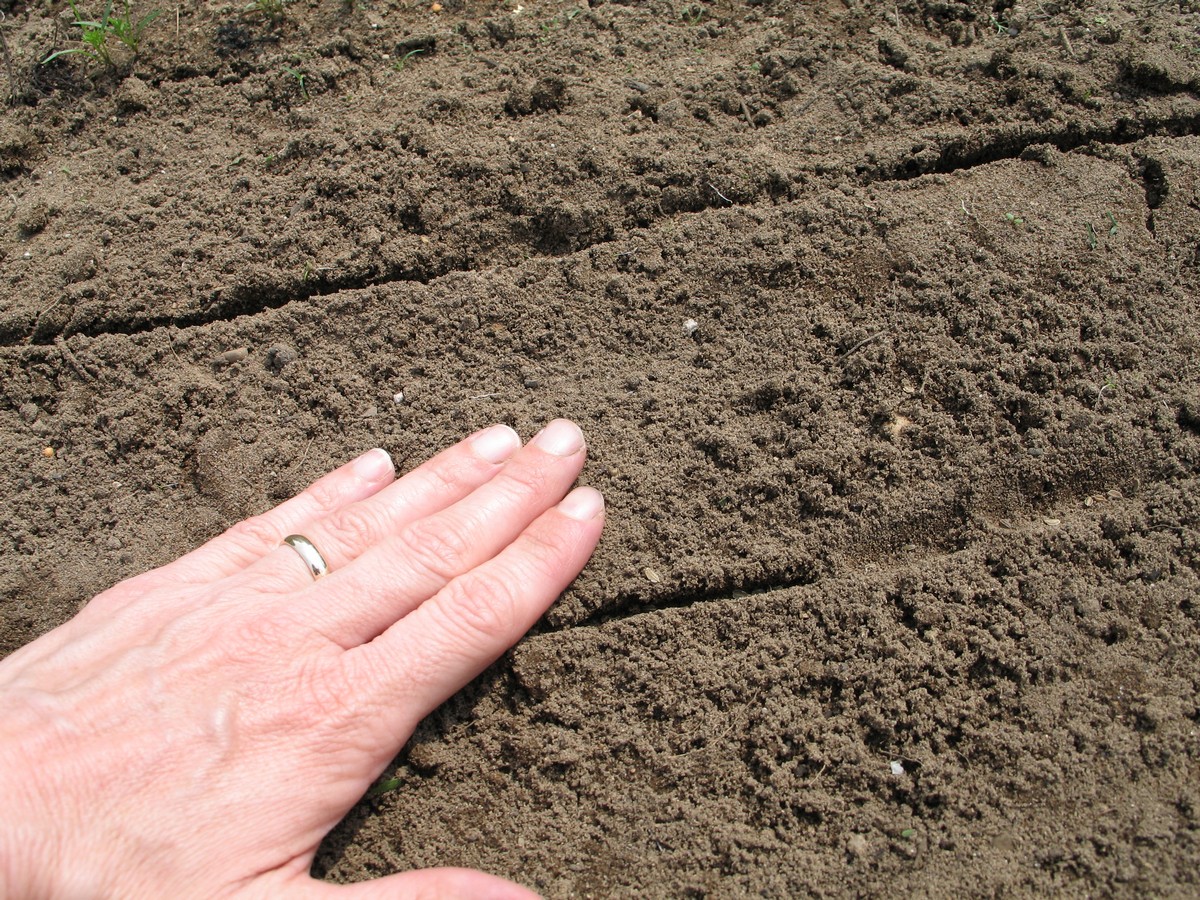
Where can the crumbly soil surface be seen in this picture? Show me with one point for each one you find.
(881, 319)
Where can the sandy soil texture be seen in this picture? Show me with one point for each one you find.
(882, 321)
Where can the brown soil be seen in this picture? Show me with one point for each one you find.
(899, 589)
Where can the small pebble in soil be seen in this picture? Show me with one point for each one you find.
(229, 357)
(279, 356)
(48, 452)
(532, 382)
(857, 846)
(897, 767)
(690, 326)
(651, 576)
(398, 397)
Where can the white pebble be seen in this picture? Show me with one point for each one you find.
(897, 767)
(398, 397)
(689, 327)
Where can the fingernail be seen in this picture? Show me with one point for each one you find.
(496, 444)
(583, 504)
(560, 437)
(374, 465)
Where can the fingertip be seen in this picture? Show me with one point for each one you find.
(496, 444)
(374, 465)
(583, 504)
(562, 437)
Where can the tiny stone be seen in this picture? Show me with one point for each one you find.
(690, 326)
(897, 767)
(856, 846)
(532, 382)
(651, 576)
(48, 452)
(398, 397)
(229, 357)
(279, 356)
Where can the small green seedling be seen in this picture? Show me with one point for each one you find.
(399, 64)
(94, 35)
(1014, 220)
(1091, 236)
(300, 77)
(1112, 228)
(908, 833)
(384, 786)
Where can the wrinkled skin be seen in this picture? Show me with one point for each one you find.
(196, 730)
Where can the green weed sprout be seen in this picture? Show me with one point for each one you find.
(95, 34)
(300, 77)
(399, 64)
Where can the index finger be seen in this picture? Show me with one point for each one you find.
(435, 484)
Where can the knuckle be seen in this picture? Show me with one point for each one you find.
(256, 533)
(545, 551)
(482, 608)
(437, 547)
(444, 477)
(325, 495)
(355, 528)
(525, 481)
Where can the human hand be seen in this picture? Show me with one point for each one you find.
(196, 730)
